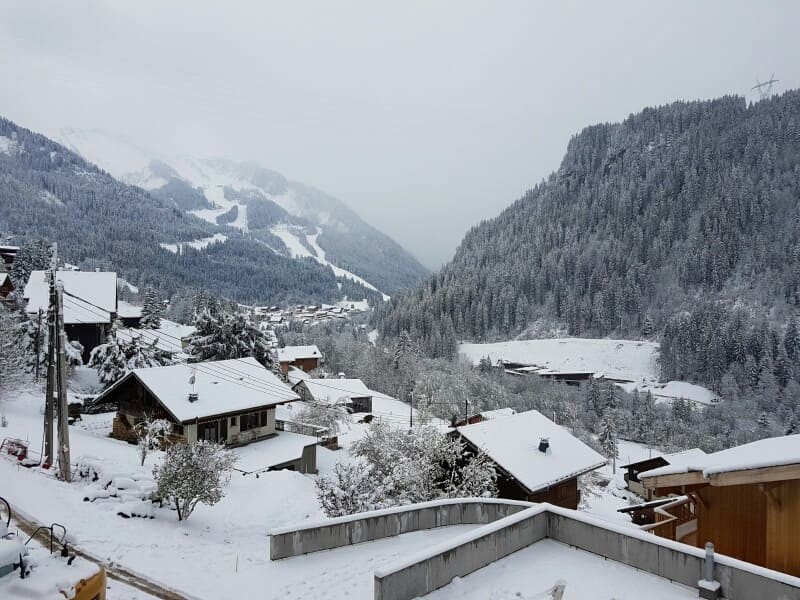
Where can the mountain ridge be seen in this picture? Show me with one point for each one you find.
(348, 241)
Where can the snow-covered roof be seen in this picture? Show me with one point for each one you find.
(126, 310)
(769, 452)
(295, 376)
(676, 458)
(513, 444)
(222, 387)
(497, 413)
(284, 447)
(293, 353)
(329, 390)
(89, 296)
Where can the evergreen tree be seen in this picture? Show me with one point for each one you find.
(152, 309)
(607, 436)
(34, 255)
(222, 336)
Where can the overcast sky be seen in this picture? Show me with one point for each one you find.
(425, 117)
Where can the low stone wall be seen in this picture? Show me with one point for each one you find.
(461, 556)
(370, 526)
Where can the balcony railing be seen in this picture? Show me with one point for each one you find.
(676, 520)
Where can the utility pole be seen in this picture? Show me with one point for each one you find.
(63, 409)
(411, 412)
(48, 456)
(36, 343)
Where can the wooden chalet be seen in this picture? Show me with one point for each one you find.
(8, 254)
(745, 500)
(632, 470)
(306, 358)
(351, 393)
(536, 459)
(90, 304)
(231, 402)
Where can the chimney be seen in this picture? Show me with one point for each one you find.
(193, 398)
(544, 445)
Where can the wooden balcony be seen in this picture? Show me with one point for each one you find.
(676, 520)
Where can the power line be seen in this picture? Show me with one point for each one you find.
(211, 364)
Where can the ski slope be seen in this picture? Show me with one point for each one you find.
(216, 195)
(290, 236)
(196, 244)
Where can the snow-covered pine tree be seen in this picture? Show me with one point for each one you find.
(34, 255)
(193, 473)
(607, 436)
(152, 309)
(222, 336)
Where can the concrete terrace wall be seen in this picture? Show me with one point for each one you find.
(370, 526)
(436, 567)
(509, 526)
(461, 556)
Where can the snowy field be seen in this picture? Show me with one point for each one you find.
(623, 359)
(636, 361)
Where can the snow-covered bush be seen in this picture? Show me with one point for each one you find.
(150, 435)
(403, 467)
(193, 473)
(115, 358)
(331, 417)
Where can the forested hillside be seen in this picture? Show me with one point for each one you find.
(49, 191)
(681, 223)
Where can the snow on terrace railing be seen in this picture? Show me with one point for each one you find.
(670, 516)
(395, 510)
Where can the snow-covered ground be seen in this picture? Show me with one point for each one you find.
(221, 551)
(289, 235)
(636, 361)
(666, 392)
(604, 492)
(196, 244)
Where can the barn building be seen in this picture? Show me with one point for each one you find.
(536, 460)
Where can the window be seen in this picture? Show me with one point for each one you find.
(262, 418)
(233, 421)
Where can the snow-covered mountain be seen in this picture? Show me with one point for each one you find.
(293, 219)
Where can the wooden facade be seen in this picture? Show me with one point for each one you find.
(632, 481)
(751, 515)
(304, 364)
(88, 335)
